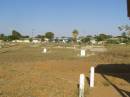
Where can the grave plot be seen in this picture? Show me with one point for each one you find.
(27, 72)
(82, 53)
(44, 51)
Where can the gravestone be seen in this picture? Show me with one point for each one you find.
(44, 50)
(82, 53)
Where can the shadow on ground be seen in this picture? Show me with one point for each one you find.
(121, 71)
(117, 70)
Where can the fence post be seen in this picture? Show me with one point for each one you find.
(81, 85)
(92, 77)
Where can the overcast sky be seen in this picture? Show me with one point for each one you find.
(62, 16)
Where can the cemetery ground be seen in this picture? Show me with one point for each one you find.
(26, 72)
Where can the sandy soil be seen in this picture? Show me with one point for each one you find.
(22, 76)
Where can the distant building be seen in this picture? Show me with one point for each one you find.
(26, 41)
(93, 41)
(21, 41)
(62, 39)
(17, 41)
(46, 40)
(36, 40)
(101, 42)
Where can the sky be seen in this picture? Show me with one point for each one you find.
(89, 17)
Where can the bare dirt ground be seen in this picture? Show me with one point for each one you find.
(26, 72)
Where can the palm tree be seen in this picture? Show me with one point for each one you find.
(75, 35)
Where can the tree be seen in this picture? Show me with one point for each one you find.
(2, 36)
(125, 29)
(124, 35)
(57, 40)
(25, 36)
(112, 41)
(10, 38)
(102, 37)
(75, 35)
(30, 39)
(49, 35)
(38, 36)
(16, 35)
(42, 38)
(86, 39)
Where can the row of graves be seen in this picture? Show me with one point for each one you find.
(82, 52)
(82, 76)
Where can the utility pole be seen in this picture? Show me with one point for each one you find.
(33, 32)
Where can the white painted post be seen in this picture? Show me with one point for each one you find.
(81, 85)
(92, 77)
(82, 53)
(44, 50)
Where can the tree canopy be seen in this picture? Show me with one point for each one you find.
(75, 35)
(16, 35)
(49, 35)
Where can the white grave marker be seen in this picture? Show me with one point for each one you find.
(92, 77)
(81, 85)
(44, 50)
(82, 52)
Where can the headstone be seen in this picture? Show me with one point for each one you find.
(44, 50)
(82, 53)
(81, 85)
(92, 77)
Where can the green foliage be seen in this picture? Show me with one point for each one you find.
(56, 40)
(6, 38)
(124, 35)
(102, 37)
(86, 39)
(38, 36)
(70, 40)
(42, 38)
(111, 41)
(30, 39)
(25, 36)
(16, 35)
(125, 29)
(2, 36)
(49, 35)
(75, 35)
